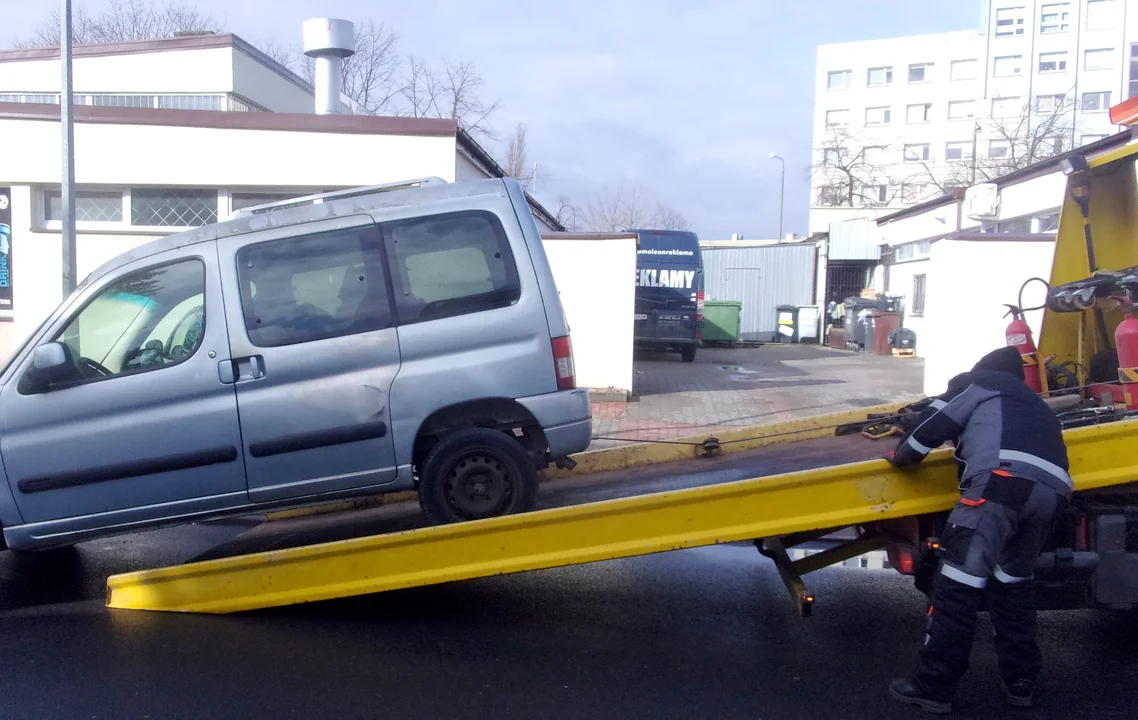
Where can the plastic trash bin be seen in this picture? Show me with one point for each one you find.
(721, 321)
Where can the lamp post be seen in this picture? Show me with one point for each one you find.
(67, 194)
(781, 193)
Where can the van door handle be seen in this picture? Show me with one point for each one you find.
(249, 368)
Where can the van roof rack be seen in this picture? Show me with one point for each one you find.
(336, 195)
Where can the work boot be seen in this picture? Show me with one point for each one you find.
(906, 692)
(1019, 693)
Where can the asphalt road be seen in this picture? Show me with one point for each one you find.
(705, 633)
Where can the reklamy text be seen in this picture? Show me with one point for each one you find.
(665, 278)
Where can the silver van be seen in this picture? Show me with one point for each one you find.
(357, 342)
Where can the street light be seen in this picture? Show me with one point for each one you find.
(781, 193)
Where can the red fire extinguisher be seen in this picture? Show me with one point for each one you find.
(1126, 342)
(1018, 335)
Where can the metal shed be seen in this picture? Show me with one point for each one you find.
(762, 276)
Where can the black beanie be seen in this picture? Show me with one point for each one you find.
(1006, 359)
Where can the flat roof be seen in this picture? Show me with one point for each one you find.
(203, 41)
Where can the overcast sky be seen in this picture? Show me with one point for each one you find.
(685, 98)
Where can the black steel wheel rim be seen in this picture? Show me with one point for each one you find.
(478, 485)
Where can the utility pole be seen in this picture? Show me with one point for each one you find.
(781, 193)
(66, 121)
(534, 190)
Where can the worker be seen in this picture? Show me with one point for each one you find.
(1014, 482)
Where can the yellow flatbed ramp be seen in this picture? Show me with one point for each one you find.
(767, 507)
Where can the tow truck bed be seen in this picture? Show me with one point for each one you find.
(790, 490)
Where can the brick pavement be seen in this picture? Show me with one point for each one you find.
(748, 386)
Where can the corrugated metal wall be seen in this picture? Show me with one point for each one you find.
(762, 278)
(854, 240)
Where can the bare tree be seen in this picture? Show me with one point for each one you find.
(1008, 142)
(450, 90)
(516, 165)
(627, 206)
(123, 20)
(566, 213)
(851, 172)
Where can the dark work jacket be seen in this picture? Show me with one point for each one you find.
(996, 423)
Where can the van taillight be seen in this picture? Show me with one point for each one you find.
(699, 315)
(563, 363)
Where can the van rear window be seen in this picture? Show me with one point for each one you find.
(451, 264)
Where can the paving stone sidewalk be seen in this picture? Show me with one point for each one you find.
(725, 389)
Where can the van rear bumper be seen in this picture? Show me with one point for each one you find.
(566, 417)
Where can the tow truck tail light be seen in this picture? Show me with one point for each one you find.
(563, 363)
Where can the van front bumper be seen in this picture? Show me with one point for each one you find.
(566, 418)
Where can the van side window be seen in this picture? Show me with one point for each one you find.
(313, 287)
(450, 264)
(146, 320)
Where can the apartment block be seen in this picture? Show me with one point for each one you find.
(902, 120)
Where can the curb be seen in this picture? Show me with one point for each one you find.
(639, 454)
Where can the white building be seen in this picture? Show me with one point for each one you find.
(896, 120)
(956, 272)
(175, 133)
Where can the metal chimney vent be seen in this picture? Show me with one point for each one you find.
(329, 41)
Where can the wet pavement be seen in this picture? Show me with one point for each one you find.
(705, 633)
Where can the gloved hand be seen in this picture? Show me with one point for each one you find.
(892, 458)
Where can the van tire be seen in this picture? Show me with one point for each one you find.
(476, 473)
(688, 353)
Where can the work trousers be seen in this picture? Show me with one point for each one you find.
(991, 542)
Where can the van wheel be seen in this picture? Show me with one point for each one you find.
(688, 353)
(476, 473)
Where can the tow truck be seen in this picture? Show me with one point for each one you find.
(1092, 559)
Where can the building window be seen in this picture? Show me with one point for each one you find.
(1052, 62)
(877, 116)
(1046, 223)
(1007, 106)
(1055, 18)
(1007, 66)
(912, 193)
(837, 118)
(1099, 59)
(918, 113)
(1088, 139)
(998, 149)
(1096, 101)
(90, 206)
(1102, 14)
(961, 109)
(964, 69)
(1050, 104)
(172, 207)
(879, 76)
(874, 194)
(920, 72)
(958, 150)
(837, 79)
(1009, 21)
(918, 152)
(918, 304)
(832, 196)
(1133, 88)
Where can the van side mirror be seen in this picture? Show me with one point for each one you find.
(52, 364)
